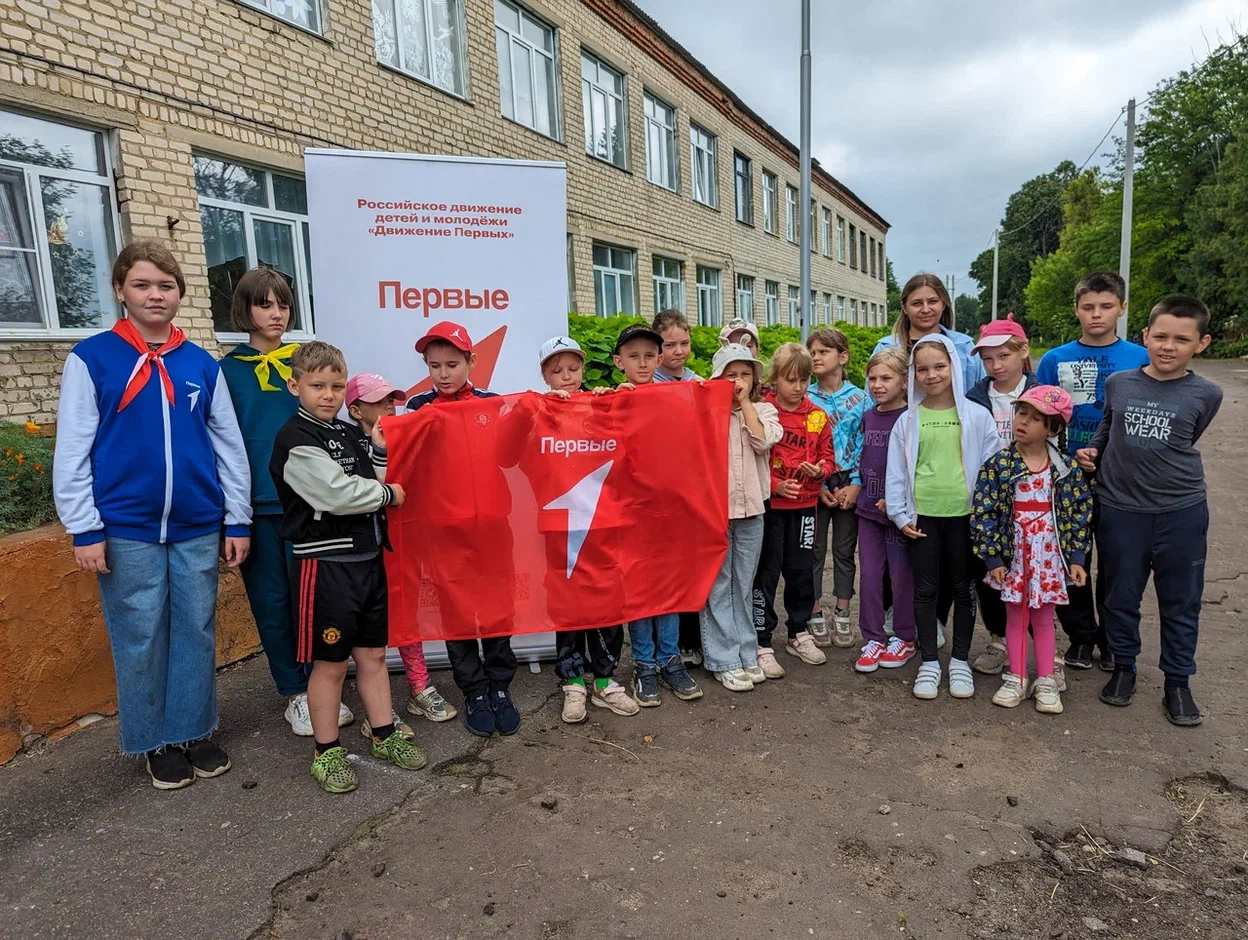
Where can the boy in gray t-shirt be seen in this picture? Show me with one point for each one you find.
(1151, 486)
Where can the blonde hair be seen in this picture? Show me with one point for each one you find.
(791, 361)
(1014, 344)
(901, 328)
(317, 355)
(892, 359)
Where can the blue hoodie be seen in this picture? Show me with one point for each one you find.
(154, 472)
(972, 367)
(845, 408)
(261, 414)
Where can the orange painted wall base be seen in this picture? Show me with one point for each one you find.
(55, 664)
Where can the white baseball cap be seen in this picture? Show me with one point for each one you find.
(559, 344)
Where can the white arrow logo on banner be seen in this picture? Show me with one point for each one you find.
(581, 502)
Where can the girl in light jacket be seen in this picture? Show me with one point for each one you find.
(729, 640)
(934, 454)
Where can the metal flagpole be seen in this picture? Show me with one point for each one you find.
(1128, 198)
(996, 257)
(804, 206)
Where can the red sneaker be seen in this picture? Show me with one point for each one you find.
(899, 653)
(869, 660)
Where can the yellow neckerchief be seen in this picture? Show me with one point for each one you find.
(277, 359)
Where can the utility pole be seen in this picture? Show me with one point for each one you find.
(996, 258)
(1128, 198)
(951, 285)
(804, 208)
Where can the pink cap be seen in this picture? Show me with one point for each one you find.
(447, 332)
(371, 388)
(996, 332)
(1049, 400)
(734, 327)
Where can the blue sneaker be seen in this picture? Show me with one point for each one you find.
(506, 715)
(478, 716)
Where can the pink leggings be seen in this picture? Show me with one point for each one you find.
(413, 656)
(1042, 634)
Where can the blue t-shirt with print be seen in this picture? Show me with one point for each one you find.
(1082, 370)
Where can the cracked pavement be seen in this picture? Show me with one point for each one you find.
(735, 816)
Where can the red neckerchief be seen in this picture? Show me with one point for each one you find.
(143, 368)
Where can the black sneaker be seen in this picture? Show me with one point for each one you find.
(1120, 688)
(1106, 661)
(169, 769)
(1181, 708)
(506, 715)
(206, 758)
(646, 686)
(677, 678)
(1079, 656)
(479, 717)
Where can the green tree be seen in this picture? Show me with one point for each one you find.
(894, 294)
(968, 313)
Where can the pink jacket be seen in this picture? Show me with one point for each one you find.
(749, 476)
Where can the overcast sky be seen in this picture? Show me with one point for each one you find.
(934, 111)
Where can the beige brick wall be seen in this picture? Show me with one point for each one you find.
(167, 78)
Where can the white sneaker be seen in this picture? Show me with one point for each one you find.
(1048, 701)
(768, 664)
(755, 673)
(842, 630)
(888, 622)
(803, 647)
(345, 717)
(574, 696)
(1010, 695)
(927, 681)
(961, 679)
(735, 680)
(298, 715)
(940, 635)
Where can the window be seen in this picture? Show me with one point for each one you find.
(58, 227)
(874, 316)
(710, 303)
(669, 285)
(424, 38)
(840, 309)
(827, 308)
(773, 303)
(853, 247)
(602, 97)
(744, 186)
(840, 239)
(863, 252)
(571, 276)
(745, 297)
(660, 143)
(250, 217)
(814, 225)
(853, 312)
(883, 263)
(814, 307)
(790, 218)
(527, 68)
(872, 257)
(770, 184)
(825, 232)
(614, 290)
(795, 305)
(305, 13)
(703, 164)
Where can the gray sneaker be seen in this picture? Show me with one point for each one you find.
(646, 686)
(818, 629)
(676, 677)
(430, 704)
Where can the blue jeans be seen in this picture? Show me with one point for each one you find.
(160, 608)
(729, 640)
(642, 634)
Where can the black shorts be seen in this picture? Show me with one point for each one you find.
(339, 605)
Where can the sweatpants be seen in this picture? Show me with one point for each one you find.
(991, 607)
(475, 676)
(1079, 618)
(844, 526)
(1171, 546)
(788, 549)
(946, 550)
(728, 637)
(592, 654)
(266, 577)
(883, 553)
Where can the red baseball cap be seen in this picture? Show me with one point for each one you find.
(996, 332)
(371, 388)
(447, 332)
(1048, 400)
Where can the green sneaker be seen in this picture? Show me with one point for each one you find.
(400, 752)
(333, 771)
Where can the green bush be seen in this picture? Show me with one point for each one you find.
(597, 337)
(25, 478)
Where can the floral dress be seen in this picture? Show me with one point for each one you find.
(1037, 575)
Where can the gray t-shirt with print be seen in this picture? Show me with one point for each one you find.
(1148, 459)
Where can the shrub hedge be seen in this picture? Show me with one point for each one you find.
(25, 478)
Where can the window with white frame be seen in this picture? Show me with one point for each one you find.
(58, 227)
(871, 322)
(853, 247)
(825, 233)
(703, 164)
(840, 309)
(253, 216)
(669, 284)
(745, 297)
(883, 263)
(872, 257)
(862, 253)
(814, 225)
(795, 305)
(772, 311)
(840, 239)
(827, 308)
(770, 194)
(305, 13)
(660, 142)
(744, 188)
(853, 312)
(614, 285)
(602, 99)
(424, 38)
(527, 68)
(790, 219)
(710, 299)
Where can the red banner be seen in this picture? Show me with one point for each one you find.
(527, 513)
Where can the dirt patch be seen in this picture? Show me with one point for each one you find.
(1086, 887)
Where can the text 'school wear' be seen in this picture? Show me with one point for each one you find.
(1148, 458)
(805, 438)
(1082, 371)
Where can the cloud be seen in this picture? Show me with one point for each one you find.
(934, 112)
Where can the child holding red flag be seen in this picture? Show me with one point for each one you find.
(800, 463)
(145, 415)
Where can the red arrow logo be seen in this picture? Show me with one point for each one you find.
(487, 351)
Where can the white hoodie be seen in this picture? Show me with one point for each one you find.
(979, 439)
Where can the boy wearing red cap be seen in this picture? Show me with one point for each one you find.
(485, 684)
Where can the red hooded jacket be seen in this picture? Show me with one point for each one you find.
(806, 438)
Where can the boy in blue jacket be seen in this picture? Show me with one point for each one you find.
(150, 467)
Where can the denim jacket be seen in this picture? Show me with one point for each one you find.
(992, 510)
